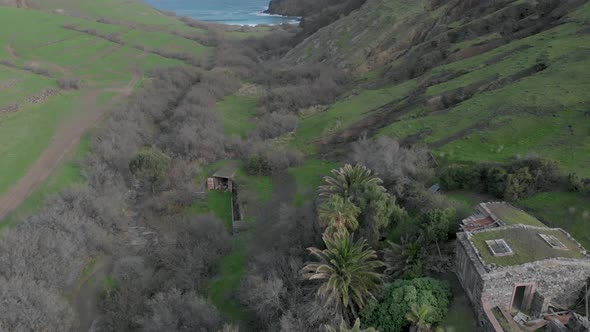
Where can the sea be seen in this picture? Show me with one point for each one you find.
(235, 12)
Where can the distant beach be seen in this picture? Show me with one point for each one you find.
(235, 12)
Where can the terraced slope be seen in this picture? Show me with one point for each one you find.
(42, 120)
(505, 80)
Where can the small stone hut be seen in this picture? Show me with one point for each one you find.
(223, 179)
(511, 264)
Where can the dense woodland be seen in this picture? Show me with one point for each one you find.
(327, 265)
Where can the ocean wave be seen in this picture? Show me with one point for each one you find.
(263, 14)
(236, 23)
(232, 12)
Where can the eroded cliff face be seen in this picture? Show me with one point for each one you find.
(300, 7)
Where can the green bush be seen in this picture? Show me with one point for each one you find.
(150, 165)
(389, 314)
(459, 176)
(258, 165)
(520, 179)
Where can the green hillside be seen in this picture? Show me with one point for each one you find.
(39, 48)
(490, 96)
(129, 12)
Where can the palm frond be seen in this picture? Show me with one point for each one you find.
(349, 271)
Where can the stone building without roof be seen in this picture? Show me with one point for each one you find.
(508, 263)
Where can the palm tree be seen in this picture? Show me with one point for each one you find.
(347, 179)
(348, 271)
(402, 258)
(420, 316)
(344, 327)
(337, 212)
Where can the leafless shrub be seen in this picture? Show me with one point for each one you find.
(301, 87)
(114, 37)
(56, 242)
(182, 56)
(29, 306)
(272, 287)
(265, 159)
(37, 70)
(69, 83)
(187, 260)
(274, 125)
(8, 63)
(397, 166)
(273, 45)
(176, 311)
(264, 295)
(168, 13)
(121, 306)
(106, 20)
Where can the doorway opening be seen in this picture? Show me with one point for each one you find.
(522, 297)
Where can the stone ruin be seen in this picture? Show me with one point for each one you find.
(521, 285)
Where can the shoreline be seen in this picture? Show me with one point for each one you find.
(292, 20)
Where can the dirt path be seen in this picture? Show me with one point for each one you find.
(10, 51)
(65, 139)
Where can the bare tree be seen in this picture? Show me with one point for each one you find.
(29, 306)
(176, 311)
(397, 166)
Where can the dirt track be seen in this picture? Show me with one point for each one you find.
(65, 139)
(10, 51)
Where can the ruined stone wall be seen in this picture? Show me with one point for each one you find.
(539, 304)
(467, 271)
(559, 280)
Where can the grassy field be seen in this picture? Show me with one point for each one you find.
(217, 203)
(308, 177)
(258, 187)
(231, 269)
(33, 38)
(24, 135)
(344, 113)
(543, 113)
(220, 204)
(570, 211)
(66, 175)
(237, 113)
(131, 12)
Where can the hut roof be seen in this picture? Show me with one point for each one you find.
(227, 172)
